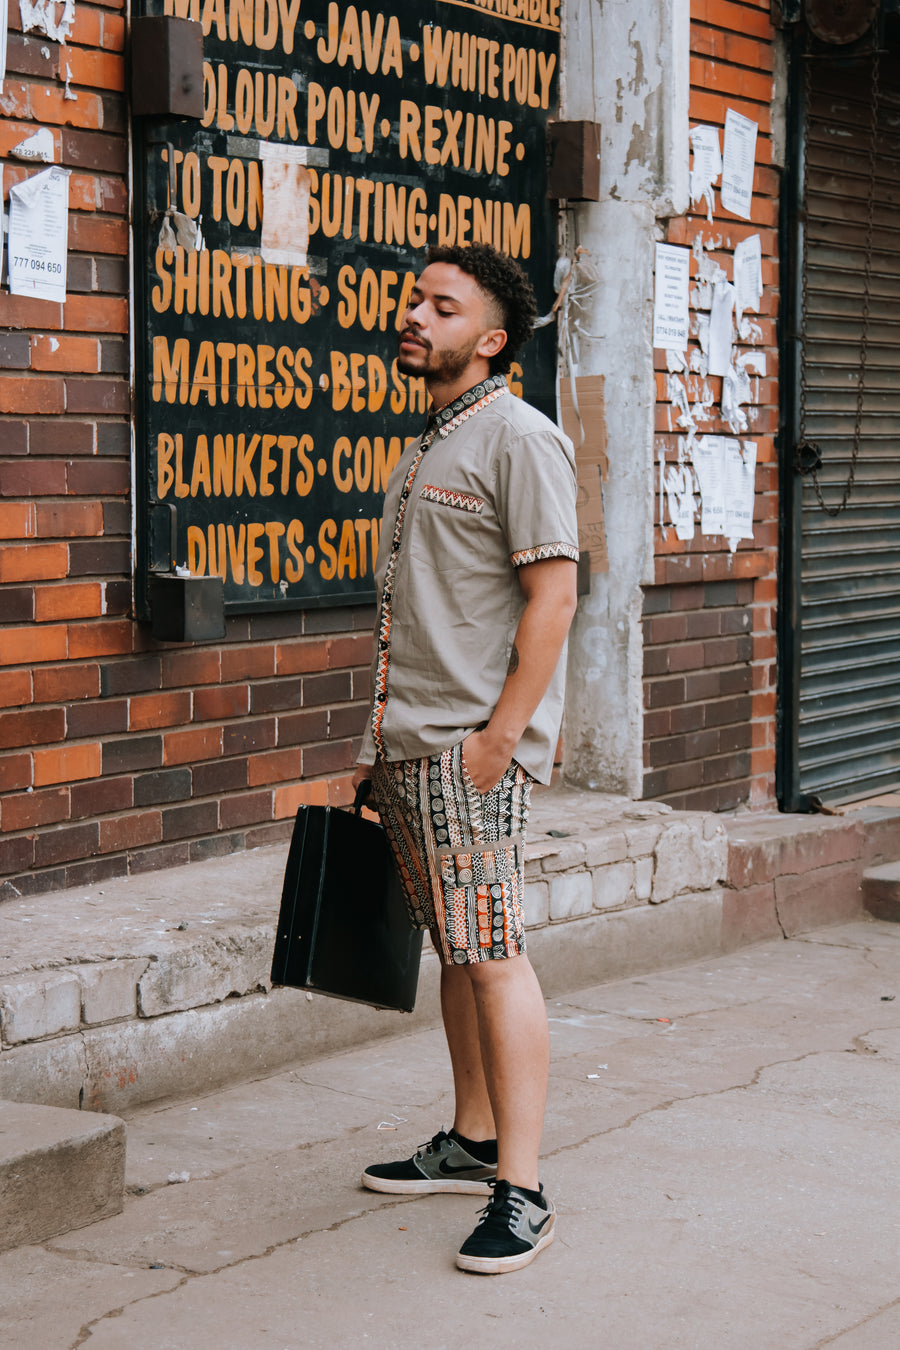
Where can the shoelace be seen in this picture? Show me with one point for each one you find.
(503, 1208)
(433, 1144)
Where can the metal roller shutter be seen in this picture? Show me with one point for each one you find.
(848, 702)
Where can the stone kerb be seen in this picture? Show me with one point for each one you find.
(139, 988)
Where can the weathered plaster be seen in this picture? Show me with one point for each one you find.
(626, 67)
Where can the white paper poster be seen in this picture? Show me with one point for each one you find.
(680, 499)
(738, 163)
(285, 184)
(706, 167)
(748, 285)
(38, 235)
(720, 328)
(670, 304)
(708, 456)
(740, 488)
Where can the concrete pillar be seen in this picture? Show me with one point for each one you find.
(625, 66)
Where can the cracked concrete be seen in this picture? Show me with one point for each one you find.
(720, 1143)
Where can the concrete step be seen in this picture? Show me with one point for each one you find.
(59, 1170)
(881, 891)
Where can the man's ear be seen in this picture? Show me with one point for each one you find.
(492, 342)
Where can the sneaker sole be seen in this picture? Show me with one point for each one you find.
(424, 1187)
(501, 1265)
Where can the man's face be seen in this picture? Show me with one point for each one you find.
(448, 323)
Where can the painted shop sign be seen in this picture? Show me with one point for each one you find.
(278, 240)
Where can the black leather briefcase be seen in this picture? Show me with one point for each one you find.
(344, 927)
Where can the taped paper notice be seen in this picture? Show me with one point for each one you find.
(589, 438)
(706, 167)
(285, 216)
(670, 304)
(36, 147)
(38, 235)
(708, 455)
(1, 219)
(51, 17)
(720, 328)
(748, 287)
(740, 488)
(738, 163)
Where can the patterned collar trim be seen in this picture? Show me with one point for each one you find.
(449, 417)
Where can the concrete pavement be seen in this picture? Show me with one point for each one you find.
(721, 1144)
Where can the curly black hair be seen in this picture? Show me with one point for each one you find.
(500, 277)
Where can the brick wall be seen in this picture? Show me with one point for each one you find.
(118, 753)
(709, 666)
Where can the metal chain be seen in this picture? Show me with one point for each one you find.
(808, 455)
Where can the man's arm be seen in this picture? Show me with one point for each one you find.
(549, 588)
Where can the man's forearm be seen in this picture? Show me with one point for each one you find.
(535, 655)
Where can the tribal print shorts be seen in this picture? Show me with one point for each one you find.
(460, 853)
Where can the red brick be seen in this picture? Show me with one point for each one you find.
(61, 436)
(35, 726)
(17, 520)
(25, 811)
(187, 747)
(26, 646)
(158, 710)
(65, 353)
(65, 764)
(31, 56)
(99, 796)
(96, 718)
(98, 477)
(199, 666)
(288, 799)
(16, 854)
(15, 688)
(248, 809)
(54, 684)
(350, 651)
(69, 520)
(66, 843)
(23, 311)
(299, 658)
(277, 766)
(113, 33)
(97, 234)
(31, 395)
(92, 314)
(15, 772)
(216, 704)
(77, 601)
(32, 478)
(97, 396)
(124, 832)
(110, 637)
(96, 70)
(248, 663)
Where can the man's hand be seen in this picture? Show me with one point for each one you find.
(486, 759)
(363, 772)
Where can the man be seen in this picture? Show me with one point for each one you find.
(477, 587)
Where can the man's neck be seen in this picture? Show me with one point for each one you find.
(444, 393)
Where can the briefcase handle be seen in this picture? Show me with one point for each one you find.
(362, 792)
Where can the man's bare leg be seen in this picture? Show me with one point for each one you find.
(507, 1065)
(474, 1118)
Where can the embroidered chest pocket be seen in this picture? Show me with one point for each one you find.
(459, 501)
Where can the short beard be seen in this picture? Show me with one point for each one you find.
(440, 367)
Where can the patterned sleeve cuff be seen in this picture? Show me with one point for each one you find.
(542, 551)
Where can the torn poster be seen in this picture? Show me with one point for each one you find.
(738, 162)
(708, 455)
(670, 303)
(748, 285)
(285, 216)
(740, 489)
(37, 147)
(720, 328)
(1, 219)
(38, 235)
(680, 499)
(706, 167)
(583, 416)
(41, 15)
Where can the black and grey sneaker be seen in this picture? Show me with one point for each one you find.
(510, 1233)
(441, 1166)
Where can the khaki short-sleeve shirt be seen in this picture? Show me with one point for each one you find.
(489, 488)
